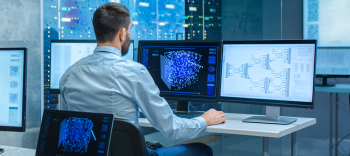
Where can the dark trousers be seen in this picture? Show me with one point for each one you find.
(194, 149)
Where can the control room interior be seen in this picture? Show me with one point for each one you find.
(37, 25)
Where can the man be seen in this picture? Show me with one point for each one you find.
(105, 83)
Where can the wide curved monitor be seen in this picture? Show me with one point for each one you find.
(274, 73)
(12, 89)
(183, 70)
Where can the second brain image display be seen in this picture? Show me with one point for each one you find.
(182, 70)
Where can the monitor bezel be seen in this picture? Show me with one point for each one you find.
(278, 103)
(57, 91)
(184, 97)
(22, 128)
(79, 114)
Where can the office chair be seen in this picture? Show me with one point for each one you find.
(127, 139)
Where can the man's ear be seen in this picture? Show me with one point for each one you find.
(121, 34)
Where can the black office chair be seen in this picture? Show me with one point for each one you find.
(127, 139)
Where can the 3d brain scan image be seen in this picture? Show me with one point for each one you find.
(180, 69)
(75, 135)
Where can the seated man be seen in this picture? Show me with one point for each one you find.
(105, 83)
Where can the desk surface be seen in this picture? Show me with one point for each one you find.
(234, 125)
(338, 88)
(17, 151)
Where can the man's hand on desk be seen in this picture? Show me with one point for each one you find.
(214, 117)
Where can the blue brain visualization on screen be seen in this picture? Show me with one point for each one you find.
(180, 69)
(75, 135)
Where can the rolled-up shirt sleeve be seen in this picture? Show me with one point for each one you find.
(156, 109)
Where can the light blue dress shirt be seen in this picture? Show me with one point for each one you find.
(106, 83)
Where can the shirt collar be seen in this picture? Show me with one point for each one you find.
(108, 49)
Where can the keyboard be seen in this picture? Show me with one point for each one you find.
(188, 116)
(181, 115)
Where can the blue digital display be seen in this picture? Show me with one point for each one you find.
(72, 19)
(181, 69)
(75, 135)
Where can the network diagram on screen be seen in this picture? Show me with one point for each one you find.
(11, 84)
(279, 72)
(182, 70)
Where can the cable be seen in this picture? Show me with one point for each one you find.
(344, 106)
(343, 150)
(344, 109)
(194, 107)
(341, 81)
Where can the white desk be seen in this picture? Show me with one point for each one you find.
(338, 88)
(234, 125)
(17, 151)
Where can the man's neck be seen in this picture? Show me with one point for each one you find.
(115, 45)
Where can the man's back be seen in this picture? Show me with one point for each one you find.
(102, 83)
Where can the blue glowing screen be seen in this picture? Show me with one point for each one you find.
(182, 69)
(76, 134)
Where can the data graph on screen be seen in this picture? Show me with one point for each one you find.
(333, 62)
(279, 72)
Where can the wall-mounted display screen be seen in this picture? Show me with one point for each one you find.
(327, 21)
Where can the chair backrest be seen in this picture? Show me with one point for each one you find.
(127, 139)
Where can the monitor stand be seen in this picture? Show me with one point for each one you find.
(324, 83)
(272, 117)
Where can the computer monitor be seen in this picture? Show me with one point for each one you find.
(74, 133)
(332, 62)
(13, 89)
(65, 53)
(272, 73)
(183, 70)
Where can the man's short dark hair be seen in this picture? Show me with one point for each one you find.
(108, 20)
